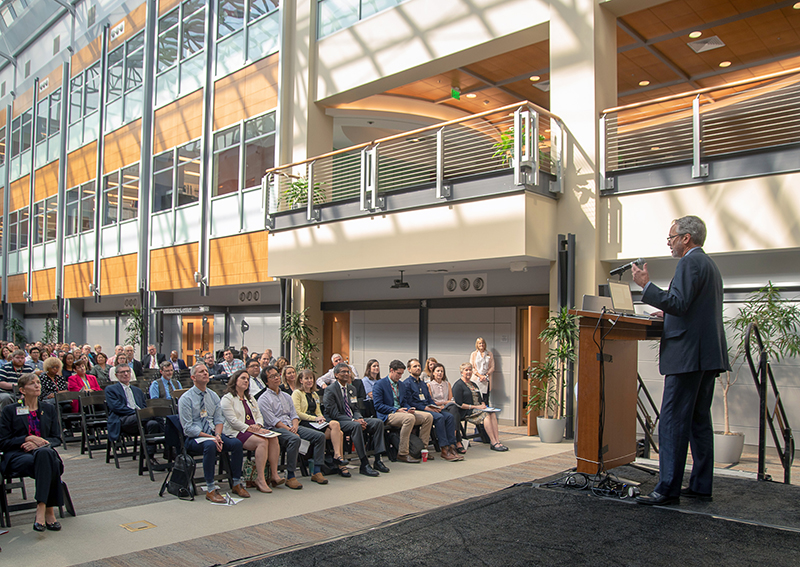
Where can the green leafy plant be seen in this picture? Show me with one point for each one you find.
(778, 322)
(548, 379)
(504, 149)
(15, 327)
(296, 192)
(134, 327)
(297, 329)
(51, 330)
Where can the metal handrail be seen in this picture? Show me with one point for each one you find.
(760, 376)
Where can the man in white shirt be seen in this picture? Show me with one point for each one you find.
(328, 378)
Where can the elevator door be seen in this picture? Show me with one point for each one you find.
(197, 337)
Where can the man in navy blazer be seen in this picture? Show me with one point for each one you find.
(122, 400)
(178, 364)
(389, 398)
(693, 353)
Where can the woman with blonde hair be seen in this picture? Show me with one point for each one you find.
(427, 370)
(468, 398)
(309, 410)
(289, 379)
(482, 363)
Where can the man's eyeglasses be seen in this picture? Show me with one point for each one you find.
(669, 238)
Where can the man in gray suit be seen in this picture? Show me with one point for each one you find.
(693, 353)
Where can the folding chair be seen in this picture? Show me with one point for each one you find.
(145, 438)
(7, 484)
(94, 421)
(67, 420)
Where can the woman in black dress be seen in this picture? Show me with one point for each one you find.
(469, 399)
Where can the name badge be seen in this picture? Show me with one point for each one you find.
(353, 400)
(422, 397)
(203, 414)
(21, 410)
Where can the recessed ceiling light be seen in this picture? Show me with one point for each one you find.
(535, 78)
(796, 6)
(725, 64)
(654, 148)
(471, 95)
(695, 34)
(644, 83)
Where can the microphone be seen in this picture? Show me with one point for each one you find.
(624, 268)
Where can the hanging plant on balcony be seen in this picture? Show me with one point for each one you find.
(504, 149)
(296, 192)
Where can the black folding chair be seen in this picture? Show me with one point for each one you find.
(67, 420)
(144, 415)
(94, 422)
(7, 484)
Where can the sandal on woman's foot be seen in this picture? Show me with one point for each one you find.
(499, 447)
(274, 483)
(344, 472)
(461, 450)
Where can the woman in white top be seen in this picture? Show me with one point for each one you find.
(482, 363)
(442, 395)
(243, 420)
(112, 372)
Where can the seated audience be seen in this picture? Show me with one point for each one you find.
(123, 400)
(279, 415)
(469, 398)
(427, 370)
(164, 385)
(215, 371)
(101, 369)
(28, 433)
(243, 420)
(289, 379)
(389, 398)
(112, 372)
(328, 378)
(418, 397)
(34, 360)
(442, 395)
(178, 364)
(10, 374)
(82, 382)
(280, 364)
(136, 366)
(201, 416)
(52, 381)
(153, 358)
(371, 376)
(257, 385)
(309, 410)
(230, 364)
(340, 403)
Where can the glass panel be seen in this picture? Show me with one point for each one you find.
(52, 215)
(264, 37)
(260, 7)
(38, 222)
(192, 74)
(130, 192)
(55, 112)
(76, 99)
(194, 28)
(167, 87)
(226, 138)
(133, 105)
(12, 231)
(259, 156)
(110, 198)
(230, 17)
(167, 48)
(230, 54)
(22, 224)
(114, 115)
(192, 6)
(335, 15)
(226, 172)
(87, 207)
(75, 138)
(41, 119)
(27, 130)
(115, 81)
(189, 173)
(370, 7)
(91, 126)
(134, 70)
(162, 191)
(2, 145)
(259, 126)
(162, 161)
(15, 137)
(134, 43)
(92, 88)
(168, 21)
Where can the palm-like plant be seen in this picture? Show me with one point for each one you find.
(297, 330)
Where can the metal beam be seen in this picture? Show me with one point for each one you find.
(66, 5)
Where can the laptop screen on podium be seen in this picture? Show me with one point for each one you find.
(621, 297)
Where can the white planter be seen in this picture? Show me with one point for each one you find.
(728, 448)
(551, 430)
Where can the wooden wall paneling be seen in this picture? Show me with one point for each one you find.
(173, 267)
(53, 82)
(3, 118)
(122, 146)
(17, 285)
(246, 93)
(2, 202)
(165, 6)
(118, 275)
(45, 181)
(134, 21)
(335, 335)
(22, 102)
(82, 165)
(87, 56)
(178, 122)
(19, 193)
(77, 278)
(240, 259)
(44, 285)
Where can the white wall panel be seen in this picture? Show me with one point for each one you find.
(225, 216)
(384, 335)
(102, 331)
(187, 224)
(109, 241)
(264, 331)
(129, 237)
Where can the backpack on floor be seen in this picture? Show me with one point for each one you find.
(180, 481)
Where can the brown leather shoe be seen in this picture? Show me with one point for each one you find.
(407, 459)
(454, 453)
(446, 455)
(274, 483)
(319, 478)
(240, 490)
(250, 484)
(293, 483)
(215, 496)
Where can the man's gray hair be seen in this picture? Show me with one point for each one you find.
(693, 226)
(196, 366)
(339, 367)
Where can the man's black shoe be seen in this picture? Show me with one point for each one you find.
(367, 470)
(656, 499)
(380, 467)
(689, 493)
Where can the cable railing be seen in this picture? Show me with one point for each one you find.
(755, 114)
(519, 137)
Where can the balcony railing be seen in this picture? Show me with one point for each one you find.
(694, 128)
(522, 139)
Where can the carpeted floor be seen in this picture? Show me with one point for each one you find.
(526, 526)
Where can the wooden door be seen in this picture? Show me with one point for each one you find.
(531, 321)
(197, 337)
(335, 337)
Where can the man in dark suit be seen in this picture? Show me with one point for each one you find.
(178, 364)
(389, 397)
(215, 371)
(341, 404)
(152, 359)
(693, 353)
(122, 400)
(134, 364)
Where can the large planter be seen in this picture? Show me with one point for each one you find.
(551, 430)
(728, 448)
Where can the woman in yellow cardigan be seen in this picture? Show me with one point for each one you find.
(306, 402)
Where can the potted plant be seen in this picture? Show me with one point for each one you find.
(778, 322)
(548, 379)
(134, 326)
(297, 330)
(504, 150)
(296, 192)
(17, 330)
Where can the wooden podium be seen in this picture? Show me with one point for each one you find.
(621, 354)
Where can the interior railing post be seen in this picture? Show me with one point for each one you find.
(698, 169)
(603, 145)
(312, 214)
(442, 191)
(266, 182)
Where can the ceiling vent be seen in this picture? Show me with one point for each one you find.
(543, 86)
(706, 44)
(251, 296)
(470, 284)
